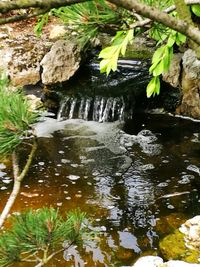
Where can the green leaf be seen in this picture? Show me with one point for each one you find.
(159, 68)
(196, 10)
(42, 21)
(180, 39)
(171, 40)
(111, 54)
(108, 52)
(153, 87)
(158, 54)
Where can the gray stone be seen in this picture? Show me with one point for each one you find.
(190, 105)
(179, 264)
(150, 261)
(61, 62)
(191, 230)
(172, 76)
(155, 261)
(57, 32)
(20, 59)
(191, 65)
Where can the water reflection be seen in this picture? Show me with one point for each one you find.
(136, 185)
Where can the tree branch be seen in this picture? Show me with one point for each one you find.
(144, 22)
(6, 6)
(23, 17)
(155, 14)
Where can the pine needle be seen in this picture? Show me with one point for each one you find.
(16, 118)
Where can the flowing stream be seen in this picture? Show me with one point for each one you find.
(137, 179)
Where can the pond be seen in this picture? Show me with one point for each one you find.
(136, 180)
(137, 177)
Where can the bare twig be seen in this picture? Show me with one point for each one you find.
(17, 182)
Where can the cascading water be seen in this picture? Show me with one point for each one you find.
(99, 108)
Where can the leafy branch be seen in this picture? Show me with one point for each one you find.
(111, 53)
(161, 61)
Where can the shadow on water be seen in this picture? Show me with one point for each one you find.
(137, 180)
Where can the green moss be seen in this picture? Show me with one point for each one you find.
(173, 247)
(140, 54)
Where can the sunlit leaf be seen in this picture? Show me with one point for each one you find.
(153, 87)
(159, 68)
(158, 54)
(108, 52)
(196, 10)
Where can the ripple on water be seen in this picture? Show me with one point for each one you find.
(73, 177)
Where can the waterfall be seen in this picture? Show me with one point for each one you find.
(99, 108)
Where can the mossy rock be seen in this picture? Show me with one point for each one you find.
(173, 247)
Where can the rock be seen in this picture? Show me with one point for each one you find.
(179, 264)
(173, 247)
(34, 102)
(61, 62)
(190, 105)
(155, 261)
(21, 59)
(57, 32)
(149, 261)
(191, 230)
(173, 75)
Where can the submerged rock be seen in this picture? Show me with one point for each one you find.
(173, 247)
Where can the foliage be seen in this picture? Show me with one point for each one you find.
(196, 10)
(87, 18)
(161, 61)
(42, 21)
(111, 54)
(159, 3)
(15, 117)
(37, 235)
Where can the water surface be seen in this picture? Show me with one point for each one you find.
(137, 181)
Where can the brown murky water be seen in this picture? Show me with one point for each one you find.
(136, 181)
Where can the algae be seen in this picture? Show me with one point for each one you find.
(173, 247)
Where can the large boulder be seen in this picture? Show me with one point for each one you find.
(62, 61)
